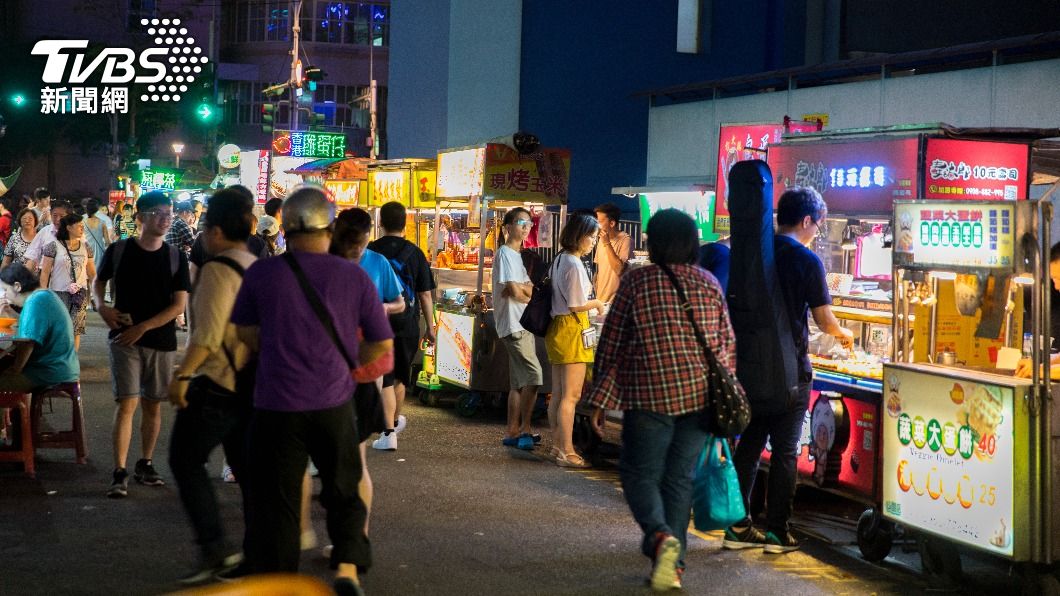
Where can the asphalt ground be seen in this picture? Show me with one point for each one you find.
(454, 513)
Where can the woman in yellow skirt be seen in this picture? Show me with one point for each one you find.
(569, 347)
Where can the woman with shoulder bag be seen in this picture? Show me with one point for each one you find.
(651, 365)
(570, 338)
(68, 268)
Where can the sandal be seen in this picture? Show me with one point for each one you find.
(571, 460)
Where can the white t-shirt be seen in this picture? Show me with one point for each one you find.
(61, 278)
(36, 248)
(570, 284)
(507, 266)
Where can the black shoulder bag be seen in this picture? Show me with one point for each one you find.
(537, 316)
(366, 399)
(728, 412)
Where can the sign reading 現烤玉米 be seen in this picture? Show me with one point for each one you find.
(303, 143)
(168, 68)
(159, 179)
(948, 457)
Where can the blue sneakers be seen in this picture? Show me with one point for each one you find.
(524, 441)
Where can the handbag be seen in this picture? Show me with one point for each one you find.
(717, 502)
(367, 404)
(537, 316)
(728, 412)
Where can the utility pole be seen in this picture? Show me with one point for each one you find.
(293, 82)
(372, 151)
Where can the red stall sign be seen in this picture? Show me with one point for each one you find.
(741, 142)
(859, 177)
(976, 170)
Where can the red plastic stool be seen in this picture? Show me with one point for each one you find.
(64, 439)
(21, 402)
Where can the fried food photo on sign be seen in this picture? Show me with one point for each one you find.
(982, 411)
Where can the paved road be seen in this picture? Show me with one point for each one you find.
(455, 513)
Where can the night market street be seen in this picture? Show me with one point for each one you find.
(454, 513)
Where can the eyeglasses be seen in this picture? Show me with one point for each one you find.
(522, 222)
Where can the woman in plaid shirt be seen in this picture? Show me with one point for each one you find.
(649, 364)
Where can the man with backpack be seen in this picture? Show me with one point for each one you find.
(150, 289)
(417, 283)
(210, 409)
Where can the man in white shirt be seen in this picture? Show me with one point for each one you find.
(46, 235)
(511, 293)
(613, 250)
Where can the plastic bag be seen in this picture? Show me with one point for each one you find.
(716, 499)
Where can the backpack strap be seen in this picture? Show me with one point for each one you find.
(319, 309)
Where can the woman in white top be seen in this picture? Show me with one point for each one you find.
(569, 345)
(97, 231)
(68, 269)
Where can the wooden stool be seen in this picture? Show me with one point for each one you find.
(65, 439)
(21, 402)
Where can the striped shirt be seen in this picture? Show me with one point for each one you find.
(648, 357)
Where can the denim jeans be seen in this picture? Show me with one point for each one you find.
(280, 445)
(783, 432)
(213, 417)
(657, 465)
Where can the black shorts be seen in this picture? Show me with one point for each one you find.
(405, 351)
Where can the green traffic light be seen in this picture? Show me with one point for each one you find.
(204, 112)
(18, 99)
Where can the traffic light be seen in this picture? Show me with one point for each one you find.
(18, 100)
(205, 112)
(268, 114)
(312, 75)
(121, 183)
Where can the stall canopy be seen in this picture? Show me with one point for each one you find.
(340, 168)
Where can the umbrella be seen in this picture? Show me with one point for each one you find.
(7, 183)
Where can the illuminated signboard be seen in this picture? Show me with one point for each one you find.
(303, 143)
(460, 172)
(345, 193)
(542, 176)
(949, 448)
(741, 142)
(952, 234)
(858, 177)
(696, 204)
(387, 186)
(977, 170)
(453, 353)
(160, 179)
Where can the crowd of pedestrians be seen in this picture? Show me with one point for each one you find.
(257, 379)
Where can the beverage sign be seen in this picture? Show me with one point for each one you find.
(303, 143)
(694, 203)
(160, 179)
(952, 234)
(453, 354)
(741, 142)
(978, 170)
(948, 457)
(858, 177)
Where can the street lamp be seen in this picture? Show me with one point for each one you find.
(178, 148)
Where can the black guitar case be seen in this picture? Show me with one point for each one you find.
(766, 362)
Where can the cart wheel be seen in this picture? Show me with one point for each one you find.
(467, 404)
(585, 440)
(875, 536)
(422, 394)
(431, 398)
(940, 559)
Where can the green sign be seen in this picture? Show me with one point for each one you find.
(698, 205)
(304, 143)
(160, 178)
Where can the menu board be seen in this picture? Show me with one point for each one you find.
(976, 170)
(460, 172)
(453, 356)
(954, 234)
(948, 457)
(858, 177)
(696, 204)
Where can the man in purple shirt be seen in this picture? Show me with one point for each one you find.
(302, 396)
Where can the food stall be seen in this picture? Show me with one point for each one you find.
(966, 446)
(484, 180)
(410, 182)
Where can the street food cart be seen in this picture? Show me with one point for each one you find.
(966, 446)
(487, 179)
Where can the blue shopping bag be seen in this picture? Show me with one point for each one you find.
(716, 499)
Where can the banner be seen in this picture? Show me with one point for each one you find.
(978, 170)
(540, 177)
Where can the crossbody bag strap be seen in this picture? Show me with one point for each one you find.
(318, 307)
(687, 307)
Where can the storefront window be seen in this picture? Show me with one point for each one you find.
(278, 25)
(322, 21)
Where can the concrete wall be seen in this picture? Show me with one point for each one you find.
(418, 100)
(683, 138)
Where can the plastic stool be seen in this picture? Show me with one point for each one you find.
(65, 439)
(21, 402)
